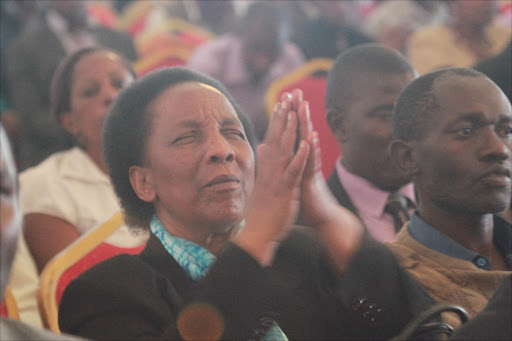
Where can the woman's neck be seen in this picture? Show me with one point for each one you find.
(212, 237)
(96, 155)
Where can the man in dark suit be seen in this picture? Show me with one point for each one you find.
(32, 60)
(361, 90)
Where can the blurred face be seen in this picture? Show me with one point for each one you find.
(464, 156)
(199, 164)
(262, 47)
(10, 212)
(368, 128)
(337, 12)
(97, 79)
(478, 12)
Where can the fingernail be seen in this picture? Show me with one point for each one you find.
(276, 107)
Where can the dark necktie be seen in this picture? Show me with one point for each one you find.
(396, 206)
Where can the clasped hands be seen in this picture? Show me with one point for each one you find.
(289, 182)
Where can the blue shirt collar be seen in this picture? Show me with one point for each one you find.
(435, 240)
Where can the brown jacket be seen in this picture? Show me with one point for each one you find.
(445, 278)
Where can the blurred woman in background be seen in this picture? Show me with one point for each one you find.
(70, 193)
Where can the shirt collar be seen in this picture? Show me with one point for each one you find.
(78, 165)
(364, 195)
(437, 241)
(194, 259)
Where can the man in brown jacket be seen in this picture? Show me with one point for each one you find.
(453, 136)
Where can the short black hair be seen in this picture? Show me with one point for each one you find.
(350, 63)
(127, 128)
(60, 89)
(417, 102)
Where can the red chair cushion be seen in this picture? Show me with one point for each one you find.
(314, 92)
(95, 256)
(3, 309)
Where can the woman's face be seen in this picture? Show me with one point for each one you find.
(199, 167)
(97, 79)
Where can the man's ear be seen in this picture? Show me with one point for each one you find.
(142, 183)
(403, 154)
(338, 124)
(68, 122)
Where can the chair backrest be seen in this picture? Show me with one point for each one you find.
(162, 58)
(134, 17)
(170, 44)
(311, 78)
(85, 252)
(8, 306)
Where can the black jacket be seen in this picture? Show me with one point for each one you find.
(140, 296)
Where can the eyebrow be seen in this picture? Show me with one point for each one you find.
(227, 121)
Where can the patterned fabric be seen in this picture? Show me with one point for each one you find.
(195, 260)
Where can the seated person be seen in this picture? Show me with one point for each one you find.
(393, 21)
(453, 131)
(250, 58)
(332, 30)
(499, 69)
(63, 28)
(10, 229)
(365, 180)
(222, 261)
(468, 36)
(70, 193)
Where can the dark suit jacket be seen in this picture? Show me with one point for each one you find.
(140, 296)
(339, 192)
(499, 69)
(32, 60)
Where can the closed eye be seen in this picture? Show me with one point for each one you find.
(235, 133)
(91, 91)
(186, 138)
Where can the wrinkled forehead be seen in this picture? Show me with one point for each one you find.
(192, 101)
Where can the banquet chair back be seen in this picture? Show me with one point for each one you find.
(87, 251)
